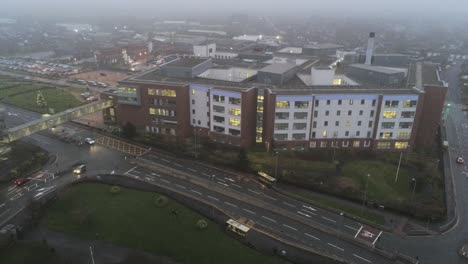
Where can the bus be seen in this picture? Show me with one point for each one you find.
(266, 178)
(237, 227)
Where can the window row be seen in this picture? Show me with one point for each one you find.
(162, 112)
(296, 126)
(163, 102)
(399, 135)
(162, 92)
(297, 104)
(401, 125)
(337, 123)
(393, 114)
(232, 132)
(344, 144)
(295, 136)
(222, 99)
(349, 113)
(388, 145)
(162, 131)
(349, 102)
(232, 121)
(298, 115)
(405, 103)
(335, 134)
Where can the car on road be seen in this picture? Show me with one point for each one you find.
(460, 160)
(464, 251)
(89, 141)
(91, 98)
(21, 181)
(79, 169)
(465, 108)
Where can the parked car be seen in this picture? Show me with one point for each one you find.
(79, 169)
(85, 94)
(21, 181)
(460, 160)
(89, 141)
(464, 251)
(91, 98)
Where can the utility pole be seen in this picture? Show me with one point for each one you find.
(398, 169)
(414, 189)
(276, 165)
(92, 255)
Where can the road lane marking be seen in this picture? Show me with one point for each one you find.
(11, 187)
(233, 205)
(154, 174)
(288, 204)
(18, 195)
(273, 220)
(190, 169)
(269, 197)
(229, 179)
(290, 227)
(222, 183)
(310, 208)
(139, 172)
(253, 191)
(350, 227)
(131, 169)
(149, 179)
(207, 175)
(32, 187)
(219, 179)
(359, 257)
(4, 212)
(214, 198)
(335, 246)
(178, 165)
(233, 184)
(248, 211)
(328, 219)
(1, 205)
(357, 233)
(312, 213)
(197, 192)
(309, 235)
(166, 181)
(180, 186)
(301, 213)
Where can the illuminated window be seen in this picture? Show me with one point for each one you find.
(356, 143)
(260, 98)
(258, 139)
(350, 102)
(234, 111)
(151, 91)
(403, 135)
(259, 129)
(389, 114)
(409, 103)
(337, 81)
(234, 122)
(324, 133)
(260, 108)
(301, 104)
(386, 135)
(282, 104)
(168, 93)
(152, 111)
(193, 91)
(401, 145)
(383, 145)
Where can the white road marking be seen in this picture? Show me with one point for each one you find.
(301, 213)
(273, 220)
(32, 187)
(166, 181)
(335, 246)
(192, 170)
(359, 257)
(350, 227)
(180, 186)
(328, 219)
(310, 208)
(18, 195)
(131, 170)
(219, 179)
(312, 213)
(309, 235)
(214, 198)
(288, 204)
(4, 212)
(139, 172)
(233, 205)
(253, 191)
(224, 184)
(11, 187)
(207, 175)
(178, 165)
(229, 179)
(248, 211)
(154, 174)
(290, 227)
(149, 179)
(197, 192)
(269, 197)
(1, 205)
(233, 184)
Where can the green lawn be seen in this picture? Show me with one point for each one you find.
(131, 219)
(28, 253)
(57, 99)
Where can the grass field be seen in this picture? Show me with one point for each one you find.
(28, 253)
(131, 219)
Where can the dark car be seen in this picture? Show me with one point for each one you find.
(21, 181)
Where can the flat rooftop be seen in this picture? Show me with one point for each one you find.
(386, 70)
(323, 46)
(185, 62)
(278, 68)
(231, 75)
(291, 50)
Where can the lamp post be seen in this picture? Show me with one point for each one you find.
(365, 194)
(414, 189)
(398, 169)
(338, 228)
(276, 164)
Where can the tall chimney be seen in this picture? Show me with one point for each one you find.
(370, 48)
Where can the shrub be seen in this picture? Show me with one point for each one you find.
(202, 224)
(161, 201)
(115, 190)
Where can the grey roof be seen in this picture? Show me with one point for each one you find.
(323, 46)
(386, 70)
(185, 62)
(278, 68)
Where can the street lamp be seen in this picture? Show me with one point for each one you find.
(365, 194)
(276, 164)
(338, 229)
(414, 189)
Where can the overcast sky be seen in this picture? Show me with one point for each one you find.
(155, 8)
